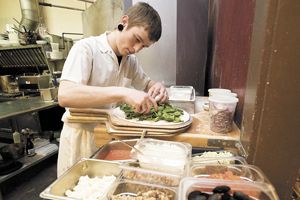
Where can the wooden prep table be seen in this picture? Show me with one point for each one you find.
(198, 135)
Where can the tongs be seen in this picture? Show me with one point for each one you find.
(133, 147)
(136, 149)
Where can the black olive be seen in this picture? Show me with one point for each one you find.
(197, 195)
(215, 197)
(221, 189)
(240, 196)
(226, 196)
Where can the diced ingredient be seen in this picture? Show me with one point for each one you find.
(221, 121)
(149, 195)
(91, 188)
(212, 157)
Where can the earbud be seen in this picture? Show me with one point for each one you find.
(120, 27)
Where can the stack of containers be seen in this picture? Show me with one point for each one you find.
(226, 175)
(222, 104)
(161, 165)
(167, 170)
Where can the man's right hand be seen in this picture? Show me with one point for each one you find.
(139, 100)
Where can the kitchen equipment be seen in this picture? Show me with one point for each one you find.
(5, 80)
(9, 166)
(117, 125)
(212, 91)
(12, 151)
(164, 156)
(69, 179)
(183, 97)
(221, 112)
(28, 58)
(116, 150)
(132, 147)
(137, 189)
(49, 94)
(34, 82)
(236, 172)
(261, 191)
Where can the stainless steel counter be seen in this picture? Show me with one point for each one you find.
(21, 106)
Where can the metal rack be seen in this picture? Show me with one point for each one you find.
(31, 58)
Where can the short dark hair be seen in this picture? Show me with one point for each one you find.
(142, 14)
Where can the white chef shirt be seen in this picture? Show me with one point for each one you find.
(92, 61)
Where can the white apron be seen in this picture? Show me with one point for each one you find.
(75, 143)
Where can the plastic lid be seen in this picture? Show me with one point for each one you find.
(219, 90)
(223, 99)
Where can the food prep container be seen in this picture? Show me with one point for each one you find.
(132, 171)
(213, 91)
(133, 189)
(116, 150)
(255, 191)
(238, 160)
(183, 97)
(218, 157)
(165, 156)
(248, 173)
(90, 167)
(221, 112)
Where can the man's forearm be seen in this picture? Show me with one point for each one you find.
(83, 96)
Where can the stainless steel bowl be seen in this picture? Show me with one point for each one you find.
(12, 151)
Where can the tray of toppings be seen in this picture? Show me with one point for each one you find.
(209, 189)
(130, 190)
(134, 172)
(228, 172)
(116, 150)
(87, 179)
(165, 156)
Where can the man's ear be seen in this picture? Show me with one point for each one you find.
(124, 20)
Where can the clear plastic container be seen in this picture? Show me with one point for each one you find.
(248, 173)
(183, 97)
(132, 171)
(165, 156)
(212, 91)
(221, 112)
(255, 191)
(219, 160)
(126, 189)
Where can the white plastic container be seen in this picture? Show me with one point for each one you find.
(254, 190)
(183, 97)
(218, 91)
(165, 156)
(54, 47)
(221, 112)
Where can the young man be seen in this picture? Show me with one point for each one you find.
(102, 70)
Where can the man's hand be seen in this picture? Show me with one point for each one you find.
(139, 100)
(158, 92)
